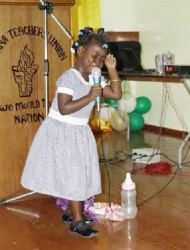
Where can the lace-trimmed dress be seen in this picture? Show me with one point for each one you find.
(63, 159)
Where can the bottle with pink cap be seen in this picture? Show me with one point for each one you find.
(128, 198)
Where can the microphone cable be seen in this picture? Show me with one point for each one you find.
(105, 162)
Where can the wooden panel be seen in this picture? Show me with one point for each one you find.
(36, 2)
(22, 90)
(121, 36)
(165, 131)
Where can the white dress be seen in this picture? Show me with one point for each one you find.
(63, 159)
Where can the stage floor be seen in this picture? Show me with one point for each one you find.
(162, 222)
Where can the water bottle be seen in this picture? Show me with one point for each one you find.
(128, 198)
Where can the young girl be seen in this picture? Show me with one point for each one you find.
(63, 159)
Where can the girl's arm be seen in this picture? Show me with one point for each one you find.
(112, 91)
(66, 105)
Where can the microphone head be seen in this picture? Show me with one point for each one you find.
(96, 71)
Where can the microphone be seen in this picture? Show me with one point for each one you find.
(96, 75)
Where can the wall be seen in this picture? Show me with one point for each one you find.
(163, 25)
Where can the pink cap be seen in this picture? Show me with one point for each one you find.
(128, 184)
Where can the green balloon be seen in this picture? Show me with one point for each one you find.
(136, 121)
(143, 105)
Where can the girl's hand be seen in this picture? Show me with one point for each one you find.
(95, 91)
(110, 61)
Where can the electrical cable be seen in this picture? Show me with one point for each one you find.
(185, 155)
(186, 164)
(152, 155)
(166, 97)
(169, 96)
(154, 195)
(116, 159)
(188, 149)
(161, 120)
(105, 163)
(175, 162)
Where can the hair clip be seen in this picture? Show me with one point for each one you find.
(80, 33)
(105, 45)
(91, 30)
(86, 30)
(100, 31)
(76, 44)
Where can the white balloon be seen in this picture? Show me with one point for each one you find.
(127, 103)
(106, 111)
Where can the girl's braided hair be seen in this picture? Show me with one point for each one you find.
(87, 36)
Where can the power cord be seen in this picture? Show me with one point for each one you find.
(157, 193)
(120, 157)
(125, 157)
(154, 195)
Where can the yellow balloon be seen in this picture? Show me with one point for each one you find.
(98, 124)
(119, 120)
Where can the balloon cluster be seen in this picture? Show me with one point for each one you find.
(143, 106)
(126, 112)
